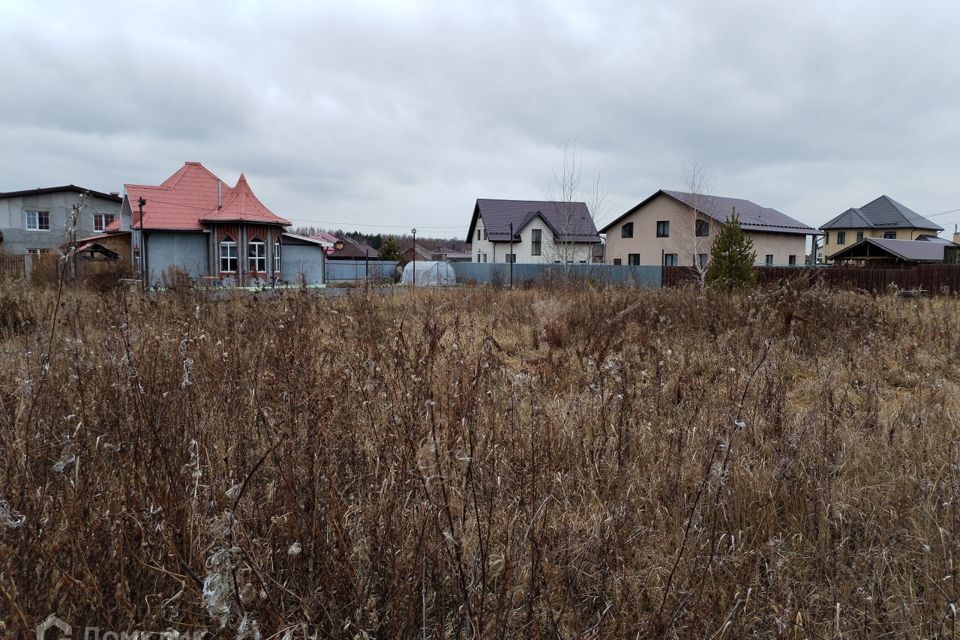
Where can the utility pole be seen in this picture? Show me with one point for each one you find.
(414, 231)
(513, 256)
(72, 237)
(141, 201)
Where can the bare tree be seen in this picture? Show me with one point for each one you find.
(697, 233)
(566, 192)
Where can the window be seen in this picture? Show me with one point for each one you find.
(536, 242)
(890, 235)
(617, 262)
(670, 260)
(633, 258)
(511, 257)
(792, 261)
(826, 238)
(102, 220)
(484, 234)
(228, 255)
(626, 231)
(38, 252)
(663, 228)
(859, 236)
(276, 257)
(841, 237)
(701, 260)
(478, 257)
(703, 228)
(38, 220)
(478, 234)
(484, 257)
(256, 255)
(768, 260)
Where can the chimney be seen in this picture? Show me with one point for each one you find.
(219, 195)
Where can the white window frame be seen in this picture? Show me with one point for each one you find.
(257, 256)
(103, 220)
(230, 257)
(35, 214)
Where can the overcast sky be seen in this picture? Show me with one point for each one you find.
(381, 116)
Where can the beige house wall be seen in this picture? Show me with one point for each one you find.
(683, 241)
(831, 246)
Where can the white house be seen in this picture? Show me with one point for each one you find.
(531, 231)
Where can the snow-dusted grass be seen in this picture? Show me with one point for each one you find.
(482, 463)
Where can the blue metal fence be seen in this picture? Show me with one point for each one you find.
(646, 277)
(361, 270)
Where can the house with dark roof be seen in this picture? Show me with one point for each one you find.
(889, 253)
(37, 220)
(674, 228)
(531, 231)
(881, 218)
(194, 224)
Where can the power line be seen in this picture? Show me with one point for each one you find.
(385, 226)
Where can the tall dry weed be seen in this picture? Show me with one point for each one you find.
(592, 463)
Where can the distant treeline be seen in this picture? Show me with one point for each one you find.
(375, 240)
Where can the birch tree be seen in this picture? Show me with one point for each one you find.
(565, 191)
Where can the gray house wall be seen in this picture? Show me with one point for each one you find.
(13, 219)
(296, 259)
(183, 250)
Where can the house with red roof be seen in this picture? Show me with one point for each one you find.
(193, 224)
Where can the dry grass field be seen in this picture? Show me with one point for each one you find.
(481, 464)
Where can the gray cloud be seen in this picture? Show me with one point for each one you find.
(402, 113)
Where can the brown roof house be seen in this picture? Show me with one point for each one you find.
(542, 232)
(674, 228)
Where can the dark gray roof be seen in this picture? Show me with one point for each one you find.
(928, 238)
(569, 221)
(67, 187)
(906, 250)
(752, 216)
(882, 213)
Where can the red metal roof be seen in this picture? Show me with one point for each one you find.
(190, 196)
(243, 206)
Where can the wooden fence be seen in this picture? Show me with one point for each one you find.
(931, 278)
(45, 268)
(12, 266)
